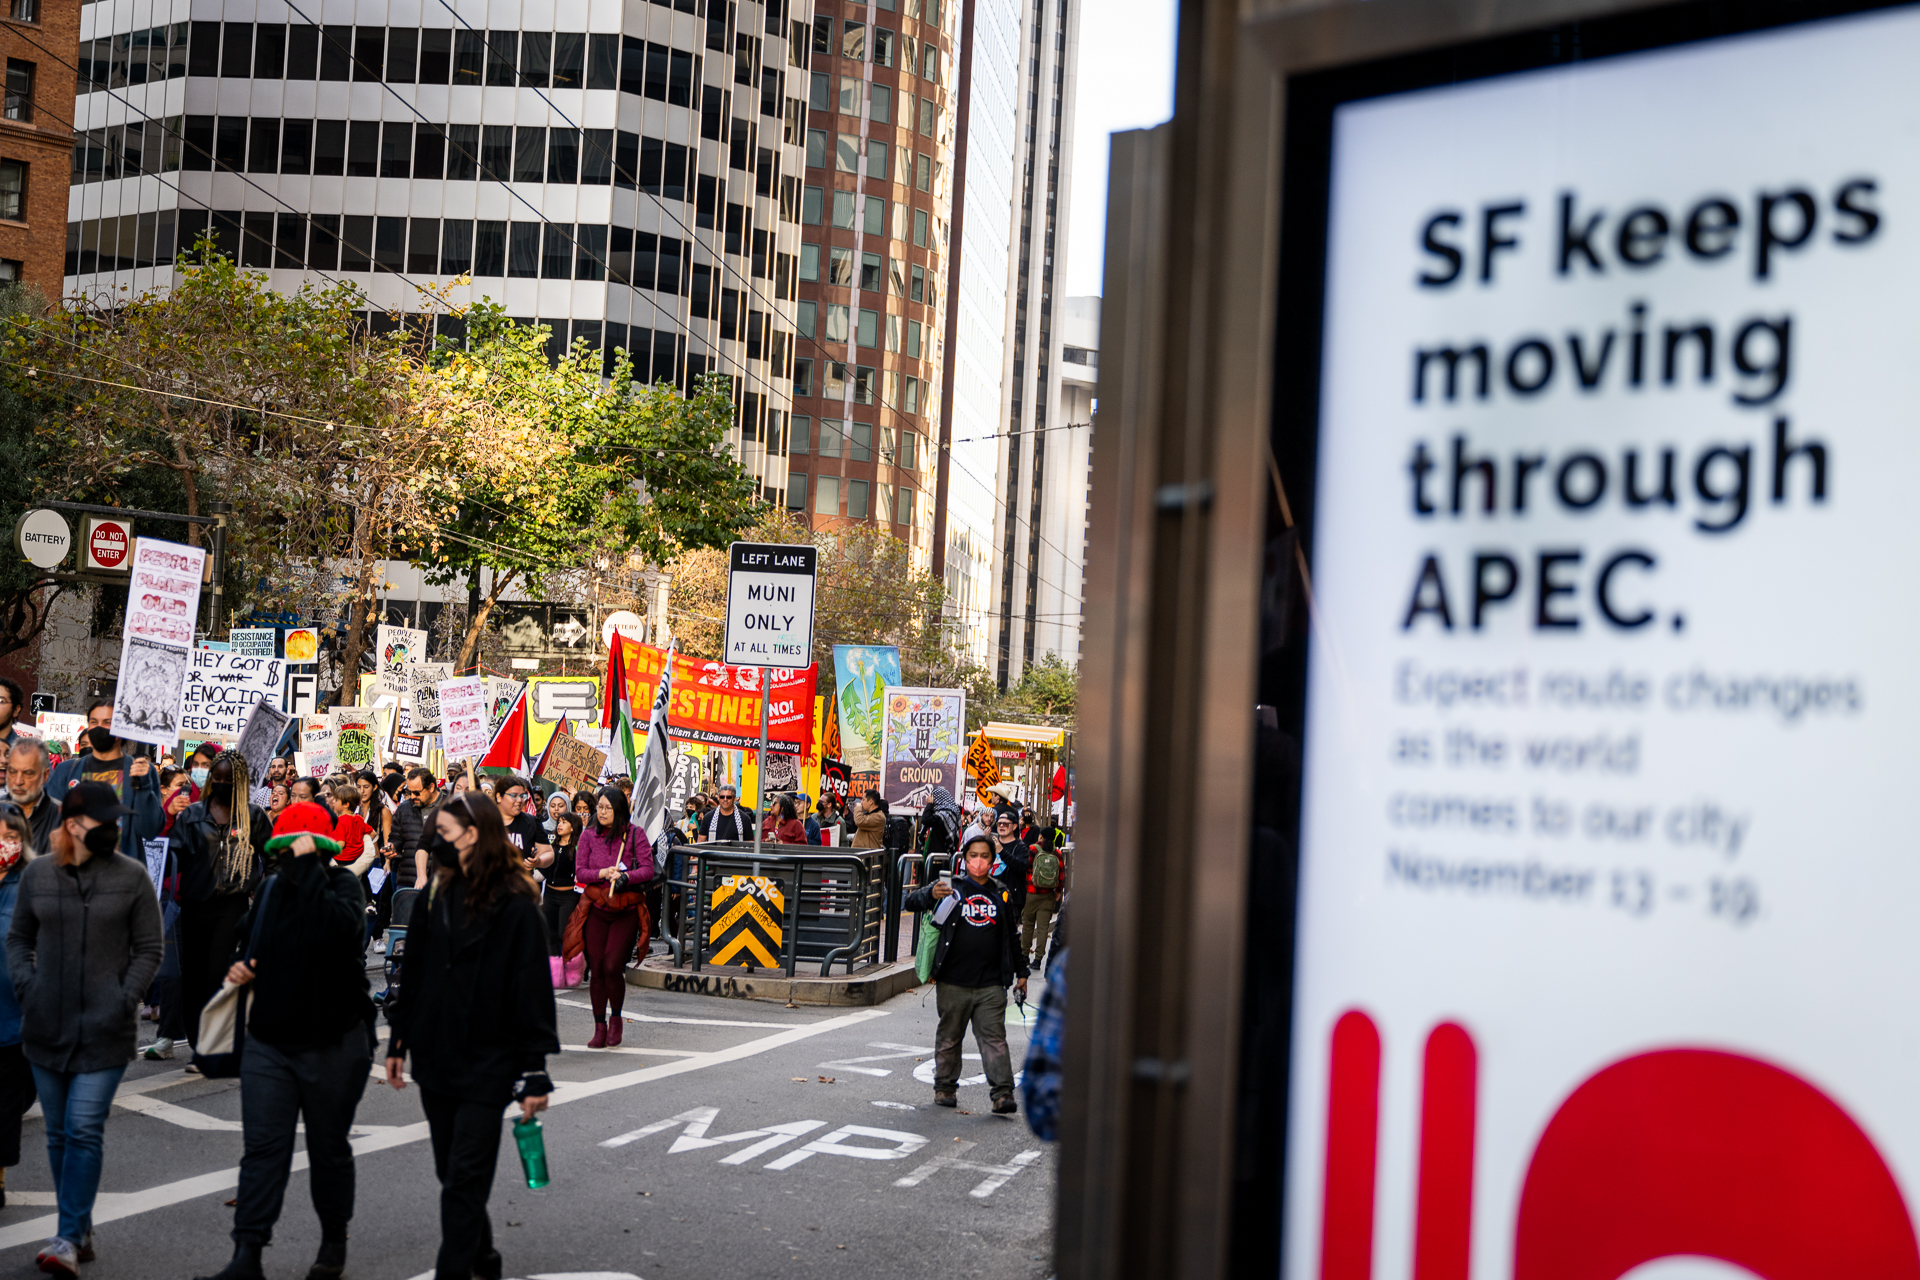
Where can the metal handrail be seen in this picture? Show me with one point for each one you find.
(798, 858)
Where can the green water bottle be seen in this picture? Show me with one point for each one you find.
(533, 1151)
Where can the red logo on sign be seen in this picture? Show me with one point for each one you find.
(108, 547)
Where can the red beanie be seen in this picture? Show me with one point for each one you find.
(304, 819)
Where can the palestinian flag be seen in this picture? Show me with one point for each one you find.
(508, 754)
(984, 768)
(617, 712)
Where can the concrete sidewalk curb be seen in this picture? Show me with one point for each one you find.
(875, 986)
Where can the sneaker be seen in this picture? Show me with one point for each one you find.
(191, 1070)
(84, 1250)
(158, 1051)
(57, 1258)
(945, 1098)
(379, 946)
(1004, 1107)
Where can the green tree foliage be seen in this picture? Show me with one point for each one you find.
(614, 468)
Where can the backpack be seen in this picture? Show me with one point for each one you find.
(1046, 870)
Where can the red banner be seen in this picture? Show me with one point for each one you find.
(720, 705)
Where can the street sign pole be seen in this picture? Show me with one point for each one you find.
(769, 627)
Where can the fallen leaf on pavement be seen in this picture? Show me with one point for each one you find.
(825, 1079)
(798, 1079)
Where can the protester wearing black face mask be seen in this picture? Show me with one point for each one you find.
(220, 849)
(133, 779)
(85, 943)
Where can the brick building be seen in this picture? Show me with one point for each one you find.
(36, 139)
(874, 265)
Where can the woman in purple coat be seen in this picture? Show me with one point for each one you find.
(612, 855)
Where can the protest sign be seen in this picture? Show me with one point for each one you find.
(59, 729)
(922, 739)
(252, 642)
(353, 738)
(463, 717)
(316, 745)
(221, 687)
(394, 649)
(261, 733)
(423, 694)
(720, 705)
(163, 598)
(573, 764)
(501, 695)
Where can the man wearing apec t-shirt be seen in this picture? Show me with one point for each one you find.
(977, 958)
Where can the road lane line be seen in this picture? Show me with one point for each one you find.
(687, 1022)
(111, 1207)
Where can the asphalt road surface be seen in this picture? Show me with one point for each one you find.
(723, 1138)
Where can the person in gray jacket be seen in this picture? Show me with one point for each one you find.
(84, 945)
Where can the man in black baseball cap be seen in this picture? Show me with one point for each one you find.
(86, 808)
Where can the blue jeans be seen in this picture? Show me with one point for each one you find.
(76, 1105)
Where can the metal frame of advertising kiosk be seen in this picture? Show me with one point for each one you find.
(1210, 613)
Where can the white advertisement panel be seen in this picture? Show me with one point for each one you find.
(1606, 942)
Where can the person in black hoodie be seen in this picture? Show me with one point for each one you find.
(219, 846)
(309, 1040)
(475, 1009)
(977, 958)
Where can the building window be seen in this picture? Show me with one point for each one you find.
(907, 441)
(882, 47)
(796, 493)
(849, 96)
(837, 321)
(863, 385)
(877, 159)
(913, 339)
(817, 148)
(880, 105)
(843, 210)
(803, 319)
(802, 429)
(19, 89)
(11, 269)
(853, 42)
(876, 222)
(923, 172)
(803, 376)
(919, 231)
(13, 190)
(883, 506)
(860, 447)
(846, 153)
(810, 203)
(840, 267)
(24, 10)
(869, 328)
(905, 513)
(926, 117)
(826, 495)
(820, 92)
(857, 499)
(810, 263)
(830, 438)
(871, 280)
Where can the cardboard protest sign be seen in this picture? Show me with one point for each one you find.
(923, 736)
(58, 730)
(573, 764)
(463, 717)
(163, 599)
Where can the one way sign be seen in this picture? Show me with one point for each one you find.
(770, 605)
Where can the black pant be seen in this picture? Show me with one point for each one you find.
(558, 905)
(279, 1087)
(208, 933)
(16, 1095)
(466, 1147)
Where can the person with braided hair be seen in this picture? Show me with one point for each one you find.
(219, 847)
